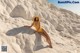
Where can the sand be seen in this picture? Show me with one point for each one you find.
(63, 27)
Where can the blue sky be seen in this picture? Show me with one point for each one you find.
(72, 7)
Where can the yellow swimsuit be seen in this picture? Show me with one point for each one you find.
(37, 26)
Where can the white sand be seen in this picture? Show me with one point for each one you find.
(62, 26)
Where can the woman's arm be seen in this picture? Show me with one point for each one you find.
(29, 26)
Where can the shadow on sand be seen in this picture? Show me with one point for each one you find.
(22, 29)
(38, 42)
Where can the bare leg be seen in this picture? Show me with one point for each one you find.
(47, 38)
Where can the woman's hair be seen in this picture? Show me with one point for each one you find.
(36, 18)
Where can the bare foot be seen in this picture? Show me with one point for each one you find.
(50, 46)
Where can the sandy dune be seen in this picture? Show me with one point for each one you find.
(63, 27)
